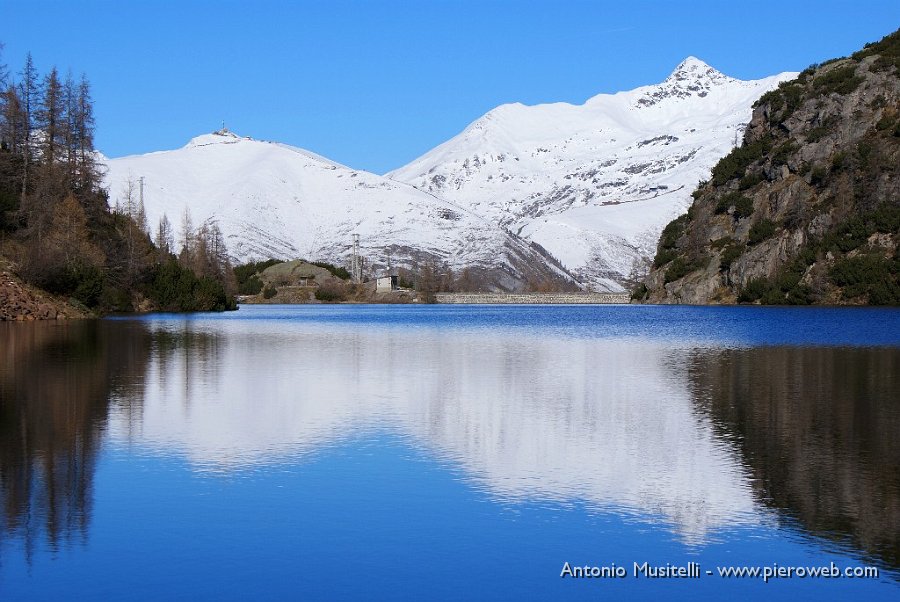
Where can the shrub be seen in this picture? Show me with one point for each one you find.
(269, 292)
(750, 180)
(885, 123)
(783, 289)
(761, 230)
(781, 154)
(851, 235)
(817, 176)
(841, 80)
(735, 163)
(331, 292)
(720, 243)
(873, 275)
(753, 290)
(336, 271)
(91, 280)
(680, 268)
(865, 152)
(817, 133)
(664, 256)
(793, 97)
(782, 101)
(889, 50)
(667, 241)
(175, 288)
(252, 286)
(673, 231)
(731, 253)
(886, 218)
(639, 292)
(246, 276)
(838, 160)
(741, 205)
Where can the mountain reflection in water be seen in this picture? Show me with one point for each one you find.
(701, 437)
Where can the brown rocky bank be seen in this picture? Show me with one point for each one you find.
(807, 210)
(23, 302)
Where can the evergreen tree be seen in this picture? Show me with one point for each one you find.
(69, 129)
(51, 119)
(84, 135)
(29, 96)
(165, 241)
(11, 118)
(4, 72)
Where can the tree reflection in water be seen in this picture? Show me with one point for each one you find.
(56, 382)
(818, 429)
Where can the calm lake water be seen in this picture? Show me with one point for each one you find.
(449, 452)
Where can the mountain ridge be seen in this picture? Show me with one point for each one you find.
(533, 169)
(572, 194)
(275, 200)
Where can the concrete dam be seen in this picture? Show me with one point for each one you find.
(534, 298)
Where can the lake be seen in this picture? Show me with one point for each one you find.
(452, 452)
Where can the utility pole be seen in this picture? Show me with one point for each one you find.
(356, 263)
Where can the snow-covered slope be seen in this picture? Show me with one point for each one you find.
(594, 184)
(275, 200)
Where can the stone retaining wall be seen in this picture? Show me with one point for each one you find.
(533, 298)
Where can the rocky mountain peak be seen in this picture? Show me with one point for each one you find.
(694, 69)
(691, 78)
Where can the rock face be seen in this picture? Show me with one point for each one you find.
(807, 210)
(21, 302)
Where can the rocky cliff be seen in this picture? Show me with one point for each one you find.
(807, 209)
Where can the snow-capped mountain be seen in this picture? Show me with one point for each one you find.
(275, 200)
(594, 184)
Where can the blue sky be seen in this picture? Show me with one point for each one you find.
(374, 84)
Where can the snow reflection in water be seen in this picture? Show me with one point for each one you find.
(607, 422)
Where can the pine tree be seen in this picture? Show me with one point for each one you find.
(165, 242)
(69, 127)
(51, 119)
(10, 111)
(29, 96)
(4, 72)
(84, 134)
(4, 79)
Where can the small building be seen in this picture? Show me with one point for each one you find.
(386, 284)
